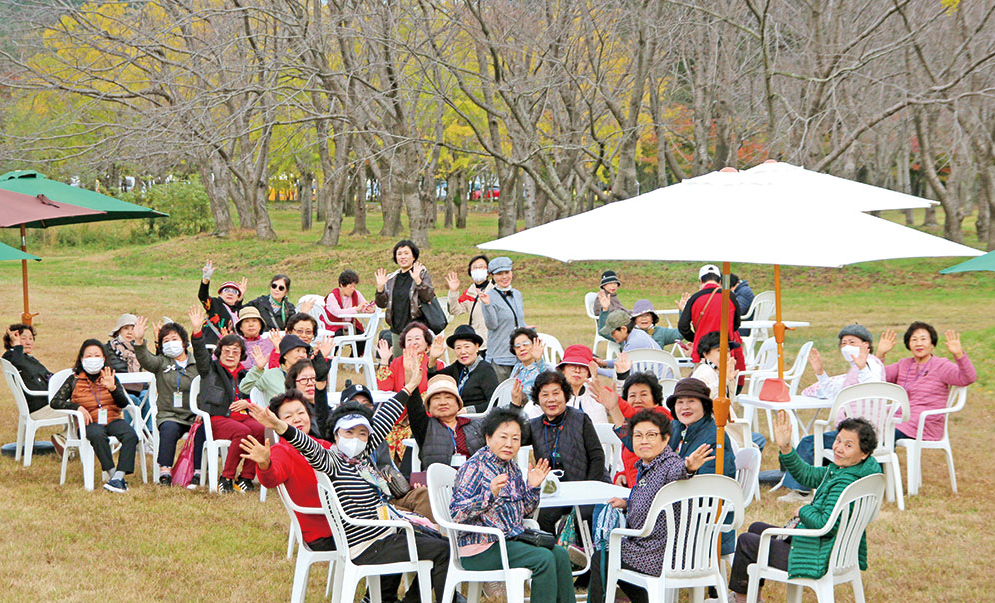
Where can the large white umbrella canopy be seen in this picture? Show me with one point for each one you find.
(713, 217)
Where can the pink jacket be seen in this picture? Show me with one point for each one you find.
(928, 387)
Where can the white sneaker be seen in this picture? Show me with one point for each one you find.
(794, 496)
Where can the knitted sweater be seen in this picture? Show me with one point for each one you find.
(809, 556)
(928, 387)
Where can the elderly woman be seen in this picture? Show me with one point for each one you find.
(402, 292)
(808, 556)
(304, 325)
(270, 381)
(301, 377)
(621, 328)
(249, 327)
(95, 390)
(222, 311)
(173, 372)
(19, 345)
(925, 376)
(121, 358)
(857, 348)
(275, 308)
(475, 377)
(443, 435)
(566, 438)
(361, 491)
(220, 396)
(693, 425)
(644, 317)
(529, 361)
(646, 435)
(490, 491)
(342, 305)
(467, 301)
(504, 311)
(577, 368)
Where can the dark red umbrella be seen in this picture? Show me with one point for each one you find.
(20, 210)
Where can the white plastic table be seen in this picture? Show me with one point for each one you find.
(769, 324)
(797, 402)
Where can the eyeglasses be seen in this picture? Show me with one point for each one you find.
(231, 290)
(232, 351)
(277, 286)
(524, 344)
(303, 332)
(307, 380)
(649, 435)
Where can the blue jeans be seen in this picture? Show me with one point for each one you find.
(806, 450)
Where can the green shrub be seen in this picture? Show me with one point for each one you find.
(184, 200)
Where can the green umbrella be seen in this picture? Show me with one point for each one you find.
(33, 183)
(12, 253)
(982, 262)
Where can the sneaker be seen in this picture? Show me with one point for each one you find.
(194, 482)
(225, 486)
(59, 442)
(794, 496)
(116, 485)
(165, 479)
(244, 485)
(577, 556)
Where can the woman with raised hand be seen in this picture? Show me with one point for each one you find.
(95, 390)
(468, 301)
(504, 311)
(529, 362)
(222, 311)
(402, 292)
(174, 371)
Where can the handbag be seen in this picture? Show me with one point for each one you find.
(536, 538)
(184, 469)
(775, 390)
(435, 319)
(395, 481)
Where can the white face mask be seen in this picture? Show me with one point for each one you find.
(850, 352)
(172, 348)
(92, 364)
(478, 275)
(351, 447)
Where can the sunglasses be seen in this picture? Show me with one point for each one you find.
(277, 286)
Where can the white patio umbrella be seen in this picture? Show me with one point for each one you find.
(719, 216)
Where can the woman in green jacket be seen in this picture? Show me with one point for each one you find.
(808, 556)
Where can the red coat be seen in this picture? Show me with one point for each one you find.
(288, 467)
(701, 315)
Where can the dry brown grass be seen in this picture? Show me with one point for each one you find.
(155, 544)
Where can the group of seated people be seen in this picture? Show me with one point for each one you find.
(553, 409)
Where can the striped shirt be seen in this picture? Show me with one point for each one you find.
(474, 504)
(359, 498)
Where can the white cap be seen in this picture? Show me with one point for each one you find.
(709, 269)
(350, 421)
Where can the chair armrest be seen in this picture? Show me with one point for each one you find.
(74, 414)
(32, 392)
(818, 430)
(931, 413)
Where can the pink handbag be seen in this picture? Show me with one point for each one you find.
(775, 390)
(184, 468)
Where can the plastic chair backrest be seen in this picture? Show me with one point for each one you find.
(317, 310)
(502, 394)
(553, 351)
(794, 375)
(956, 400)
(612, 446)
(856, 507)
(57, 381)
(693, 537)
(879, 403)
(659, 362)
(763, 306)
(766, 357)
(668, 385)
(748, 471)
(589, 300)
(439, 481)
(293, 509)
(16, 385)
(195, 409)
(333, 510)
(257, 397)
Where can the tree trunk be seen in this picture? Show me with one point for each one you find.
(450, 206)
(460, 198)
(304, 197)
(411, 197)
(217, 194)
(529, 201)
(506, 199)
(359, 196)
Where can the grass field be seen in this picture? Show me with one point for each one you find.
(156, 544)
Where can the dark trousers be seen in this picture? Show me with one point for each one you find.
(394, 548)
(170, 433)
(747, 548)
(596, 587)
(99, 437)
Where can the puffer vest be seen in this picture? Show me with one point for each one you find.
(439, 447)
(570, 446)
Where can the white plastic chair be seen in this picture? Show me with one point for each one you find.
(146, 435)
(76, 435)
(690, 553)
(347, 574)
(591, 308)
(553, 350)
(415, 451)
(955, 402)
(884, 405)
(317, 310)
(748, 473)
(856, 507)
(792, 377)
(612, 446)
(502, 394)
(365, 361)
(659, 362)
(305, 556)
(213, 448)
(26, 426)
(764, 360)
(440, 482)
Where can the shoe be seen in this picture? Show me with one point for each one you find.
(244, 485)
(225, 486)
(116, 485)
(194, 482)
(794, 496)
(59, 441)
(493, 590)
(577, 556)
(165, 479)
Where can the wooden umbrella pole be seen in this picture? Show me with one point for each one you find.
(720, 406)
(778, 325)
(26, 315)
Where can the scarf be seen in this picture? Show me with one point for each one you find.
(282, 305)
(365, 469)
